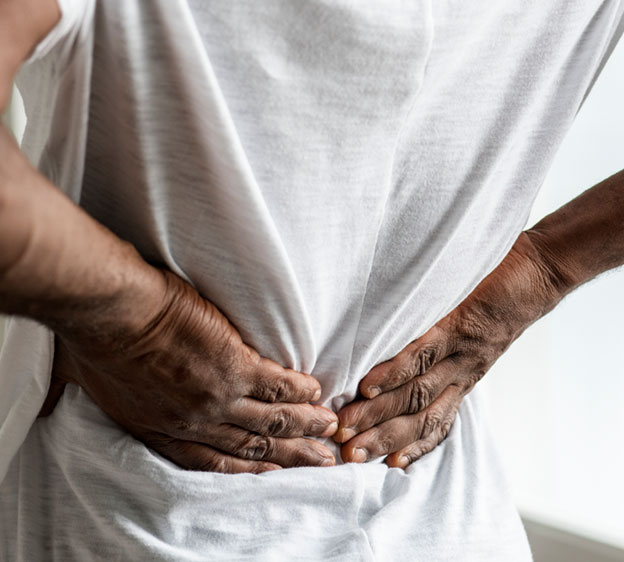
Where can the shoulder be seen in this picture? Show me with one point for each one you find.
(23, 25)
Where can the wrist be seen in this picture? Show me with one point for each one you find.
(528, 285)
(61, 267)
(559, 274)
(134, 298)
(584, 238)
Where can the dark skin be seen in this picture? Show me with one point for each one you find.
(421, 388)
(197, 393)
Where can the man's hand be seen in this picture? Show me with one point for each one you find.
(188, 387)
(411, 400)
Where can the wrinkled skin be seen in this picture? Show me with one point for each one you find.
(192, 390)
(188, 387)
(410, 402)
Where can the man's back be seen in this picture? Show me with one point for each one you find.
(335, 178)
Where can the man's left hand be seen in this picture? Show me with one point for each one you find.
(410, 402)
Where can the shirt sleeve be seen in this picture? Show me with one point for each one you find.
(76, 16)
(54, 82)
(613, 34)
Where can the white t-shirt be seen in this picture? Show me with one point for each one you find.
(335, 177)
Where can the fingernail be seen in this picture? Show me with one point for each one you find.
(359, 455)
(344, 434)
(317, 395)
(331, 429)
(402, 461)
(329, 462)
(373, 391)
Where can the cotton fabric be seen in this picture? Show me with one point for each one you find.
(335, 177)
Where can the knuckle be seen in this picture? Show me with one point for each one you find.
(259, 468)
(426, 358)
(471, 332)
(385, 443)
(482, 365)
(216, 464)
(415, 452)
(421, 359)
(431, 422)
(277, 392)
(400, 374)
(181, 426)
(308, 457)
(356, 414)
(281, 423)
(420, 397)
(255, 447)
(445, 428)
(170, 423)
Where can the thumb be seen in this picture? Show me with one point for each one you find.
(414, 360)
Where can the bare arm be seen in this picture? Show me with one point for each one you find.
(57, 264)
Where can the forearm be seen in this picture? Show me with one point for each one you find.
(585, 237)
(60, 266)
(57, 264)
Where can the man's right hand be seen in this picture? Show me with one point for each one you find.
(188, 387)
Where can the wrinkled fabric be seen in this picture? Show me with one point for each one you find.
(335, 177)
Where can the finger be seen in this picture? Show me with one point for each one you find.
(412, 397)
(284, 420)
(272, 383)
(286, 452)
(411, 453)
(400, 432)
(413, 361)
(195, 456)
